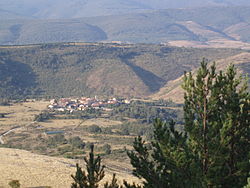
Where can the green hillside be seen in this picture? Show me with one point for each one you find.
(90, 69)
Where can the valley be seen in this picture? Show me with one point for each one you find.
(59, 141)
(104, 94)
(111, 75)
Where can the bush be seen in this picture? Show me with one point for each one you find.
(94, 129)
(107, 149)
(43, 116)
(76, 142)
(14, 184)
(57, 139)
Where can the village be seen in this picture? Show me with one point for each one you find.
(84, 103)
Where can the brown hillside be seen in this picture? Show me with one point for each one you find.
(172, 90)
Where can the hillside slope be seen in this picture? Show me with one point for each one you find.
(90, 69)
(172, 90)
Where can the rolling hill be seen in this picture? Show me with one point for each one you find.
(172, 90)
(77, 69)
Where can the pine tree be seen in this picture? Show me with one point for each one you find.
(94, 174)
(217, 121)
(113, 183)
(214, 149)
(169, 164)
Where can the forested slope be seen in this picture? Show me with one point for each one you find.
(95, 68)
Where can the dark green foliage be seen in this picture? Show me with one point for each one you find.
(214, 149)
(17, 79)
(14, 184)
(144, 111)
(217, 120)
(113, 183)
(76, 142)
(168, 163)
(79, 178)
(43, 116)
(106, 148)
(93, 175)
(94, 129)
(56, 140)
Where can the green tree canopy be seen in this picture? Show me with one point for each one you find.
(214, 149)
(94, 174)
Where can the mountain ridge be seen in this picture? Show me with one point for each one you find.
(159, 26)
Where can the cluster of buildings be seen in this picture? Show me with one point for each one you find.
(83, 103)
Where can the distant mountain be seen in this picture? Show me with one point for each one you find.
(48, 31)
(57, 30)
(71, 69)
(66, 9)
(208, 26)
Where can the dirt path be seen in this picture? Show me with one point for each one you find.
(7, 132)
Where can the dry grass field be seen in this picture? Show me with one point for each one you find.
(100, 122)
(34, 170)
(21, 113)
(61, 123)
(66, 123)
